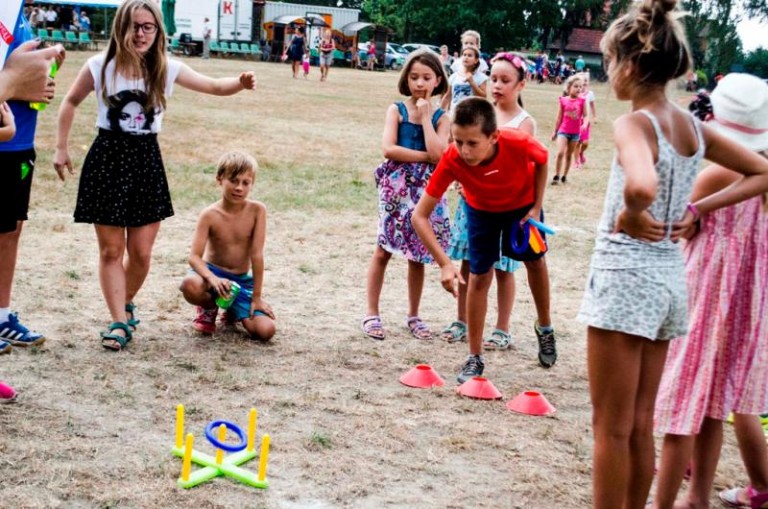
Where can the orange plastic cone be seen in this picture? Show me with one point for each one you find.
(531, 403)
(478, 387)
(422, 376)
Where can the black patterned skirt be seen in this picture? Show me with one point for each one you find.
(123, 182)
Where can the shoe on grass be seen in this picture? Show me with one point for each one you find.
(473, 367)
(205, 320)
(555, 180)
(14, 332)
(7, 393)
(547, 346)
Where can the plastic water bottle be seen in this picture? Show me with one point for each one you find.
(52, 74)
(234, 291)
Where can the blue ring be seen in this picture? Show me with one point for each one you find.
(523, 246)
(212, 427)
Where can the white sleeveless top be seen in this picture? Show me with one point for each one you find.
(518, 119)
(676, 174)
(129, 98)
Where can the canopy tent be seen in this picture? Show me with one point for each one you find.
(169, 8)
(354, 27)
(287, 19)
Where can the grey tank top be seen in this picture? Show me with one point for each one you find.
(676, 174)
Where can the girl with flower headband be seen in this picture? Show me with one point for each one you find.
(722, 365)
(635, 299)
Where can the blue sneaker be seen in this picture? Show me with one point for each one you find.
(15, 333)
(5, 347)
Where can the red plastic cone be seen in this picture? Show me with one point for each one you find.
(531, 403)
(479, 388)
(422, 377)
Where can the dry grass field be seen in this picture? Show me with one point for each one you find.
(94, 429)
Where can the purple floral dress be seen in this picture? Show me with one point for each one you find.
(400, 187)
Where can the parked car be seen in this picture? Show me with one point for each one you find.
(413, 46)
(392, 58)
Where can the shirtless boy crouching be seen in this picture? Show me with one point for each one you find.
(229, 240)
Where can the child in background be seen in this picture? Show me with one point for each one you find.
(466, 83)
(305, 65)
(415, 136)
(469, 38)
(228, 242)
(123, 189)
(589, 97)
(635, 297)
(572, 117)
(503, 175)
(722, 365)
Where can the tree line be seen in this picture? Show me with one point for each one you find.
(535, 24)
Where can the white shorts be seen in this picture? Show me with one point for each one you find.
(648, 302)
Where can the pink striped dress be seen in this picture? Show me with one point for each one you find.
(722, 365)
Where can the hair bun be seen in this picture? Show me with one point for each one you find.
(656, 10)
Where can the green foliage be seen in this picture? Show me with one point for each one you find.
(701, 79)
(757, 63)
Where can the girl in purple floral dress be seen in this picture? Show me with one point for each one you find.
(415, 136)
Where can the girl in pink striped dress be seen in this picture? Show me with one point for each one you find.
(722, 366)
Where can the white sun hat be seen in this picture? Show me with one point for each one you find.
(740, 106)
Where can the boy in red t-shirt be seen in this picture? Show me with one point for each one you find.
(503, 175)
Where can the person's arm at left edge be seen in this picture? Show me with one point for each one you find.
(257, 261)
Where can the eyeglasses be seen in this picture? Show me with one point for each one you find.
(511, 58)
(147, 28)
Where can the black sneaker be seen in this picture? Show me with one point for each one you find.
(563, 179)
(555, 180)
(547, 346)
(472, 368)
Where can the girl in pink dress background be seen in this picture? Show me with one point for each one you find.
(572, 117)
(722, 366)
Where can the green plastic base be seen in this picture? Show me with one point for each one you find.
(229, 468)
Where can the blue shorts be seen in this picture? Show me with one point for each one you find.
(570, 137)
(486, 228)
(242, 305)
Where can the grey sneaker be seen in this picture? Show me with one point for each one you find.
(472, 368)
(547, 346)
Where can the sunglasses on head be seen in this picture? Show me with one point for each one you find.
(511, 58)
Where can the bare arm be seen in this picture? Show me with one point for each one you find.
(420, 221)
(193, 80)
(728, 154)
(635, 154)
(389, 141)
(199, 240)
(593, 112)
(82, 86)
(558, 119)
(257, 261)
(539, 185)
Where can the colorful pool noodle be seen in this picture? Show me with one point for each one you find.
(538, 245)
(541, 226)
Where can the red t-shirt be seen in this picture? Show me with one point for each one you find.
(505, 183)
